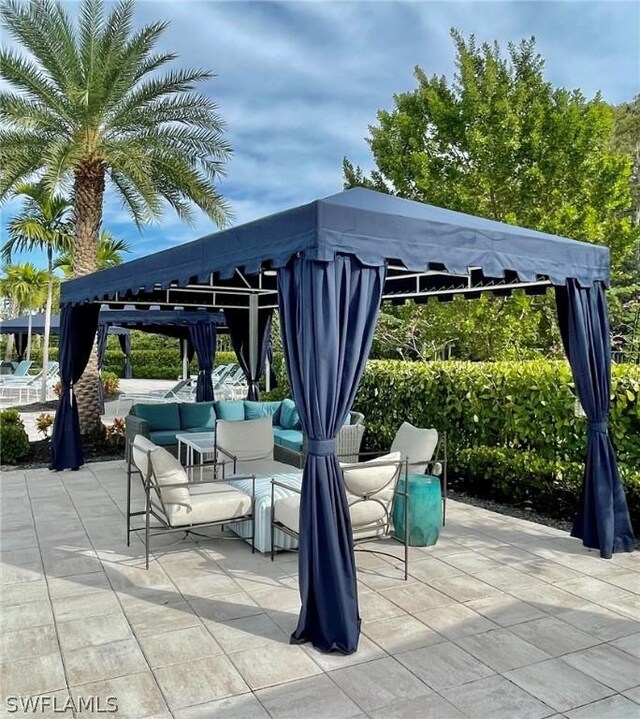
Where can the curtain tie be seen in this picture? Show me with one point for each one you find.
(599, 427)
(321, 447)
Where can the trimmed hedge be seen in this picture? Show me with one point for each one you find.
(156, 363)
(518, 405)
(523, 478)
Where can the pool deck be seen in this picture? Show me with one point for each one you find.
(502, 619)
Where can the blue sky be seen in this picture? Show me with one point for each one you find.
(298, 83)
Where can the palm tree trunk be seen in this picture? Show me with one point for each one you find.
(8, 352)
(47, 325)
(88, 198)
(29, 336)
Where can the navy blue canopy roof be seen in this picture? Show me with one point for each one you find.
(377, 228)
(154, 320)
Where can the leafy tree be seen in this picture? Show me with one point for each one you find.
(500, 141)
(93, 104)
(44, 223)
(26, 287)
(109, 254)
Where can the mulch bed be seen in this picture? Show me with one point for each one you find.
(50, 406)
(40, 454)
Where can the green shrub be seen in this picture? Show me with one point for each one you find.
(14, 442)
(518, 405)
(524, 478)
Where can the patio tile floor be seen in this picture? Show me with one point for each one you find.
(503, 619)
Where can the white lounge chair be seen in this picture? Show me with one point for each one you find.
(22, 370)
(370, 487)
(177, 393)
(175, 503)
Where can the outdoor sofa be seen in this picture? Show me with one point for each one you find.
(162, 422)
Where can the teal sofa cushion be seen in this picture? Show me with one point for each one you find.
(164, 438)
(198, 430)
(160, 416)
(289, 438)
(289, 417)
(258, 410)
(230, 410)
(197, 414)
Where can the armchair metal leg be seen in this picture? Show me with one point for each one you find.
(273, 534)
(146, 527)
(128, 504)
(406, 526)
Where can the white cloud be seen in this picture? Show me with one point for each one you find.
(299, 83)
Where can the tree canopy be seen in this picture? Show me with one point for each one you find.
(500, 141)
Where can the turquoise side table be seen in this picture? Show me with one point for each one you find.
(425, 510)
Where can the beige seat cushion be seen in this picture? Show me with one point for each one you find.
(368, 518)
(212, 502)
(248, 439)
(287, 512)
(415, 444)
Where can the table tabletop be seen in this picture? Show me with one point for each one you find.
(200, 441)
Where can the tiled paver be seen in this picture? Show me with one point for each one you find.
(503, 618)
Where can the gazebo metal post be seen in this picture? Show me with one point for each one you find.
(253, 334)
(185, 358)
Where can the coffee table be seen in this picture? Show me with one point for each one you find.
(196, 443)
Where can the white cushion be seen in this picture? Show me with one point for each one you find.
(168, 470)
(213, 502)
(248, 439)
(287, 512)
(368, 518)
(139, 453)
(371, 477)
(415, 444)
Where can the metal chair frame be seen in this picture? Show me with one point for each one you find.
(155, 506)
(388, 514)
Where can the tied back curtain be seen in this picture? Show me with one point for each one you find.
(203, 339)
(328, 313)
(238, 324)
(78, 325)
(602, 522)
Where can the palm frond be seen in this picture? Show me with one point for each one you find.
(30, 79)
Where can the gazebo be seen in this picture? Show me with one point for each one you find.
(327, 266)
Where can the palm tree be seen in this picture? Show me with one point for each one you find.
(44, 223)
(26, 286)
(110, 251)
(90, 105)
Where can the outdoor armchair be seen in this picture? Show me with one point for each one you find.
(371, 487)
(177, 504)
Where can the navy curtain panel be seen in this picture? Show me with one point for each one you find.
(125, 346)
(238, 324)
(103, 331)
(203, 338)
(328, 313)
(602, 522)
(20, 345)
(78, 325)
